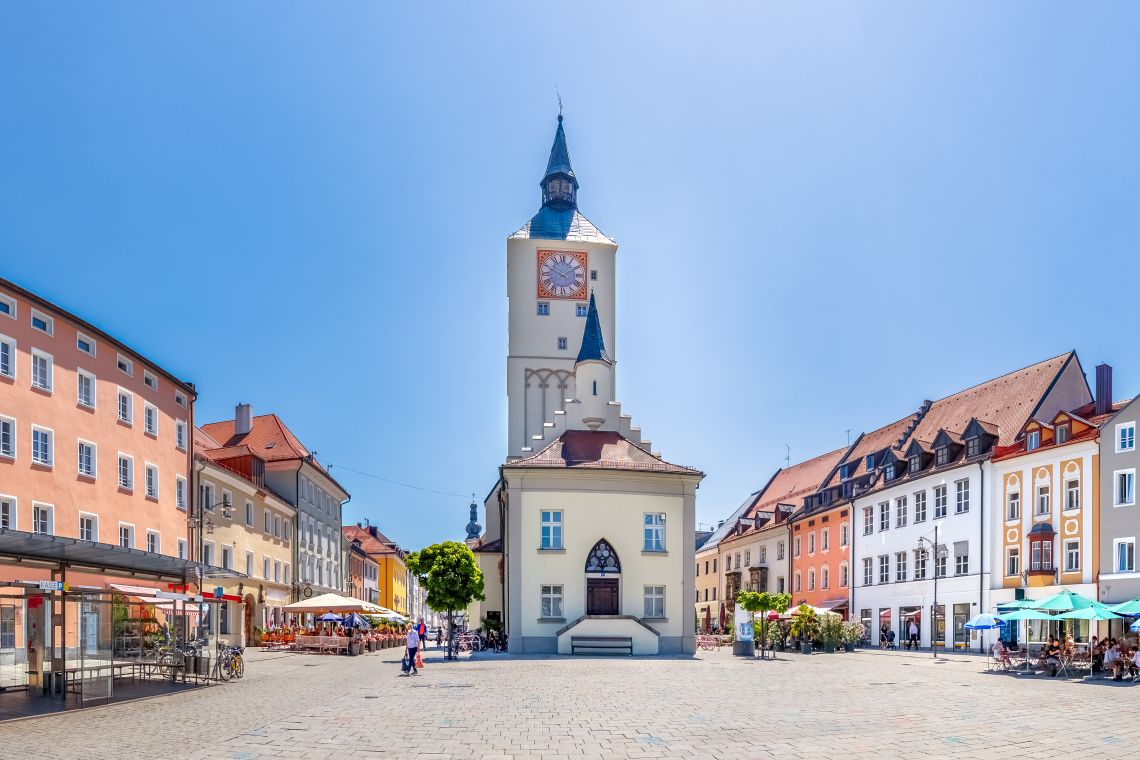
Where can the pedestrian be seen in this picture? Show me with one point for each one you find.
(438, 636)
(413, 649)
(913, 641)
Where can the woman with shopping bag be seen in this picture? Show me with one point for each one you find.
(411, 653)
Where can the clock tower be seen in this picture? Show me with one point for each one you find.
(554, 264)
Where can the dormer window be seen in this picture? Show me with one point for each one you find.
(942, 455)
(915, 464)
(889, 471)
(870, 462)
(1032, 440)
(1062, 433)
(973, 447)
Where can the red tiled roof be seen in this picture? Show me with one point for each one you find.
(1082, 413)
(1005, 401)
(793, 482)
(599, 450)
(877, 440)
(378, 544)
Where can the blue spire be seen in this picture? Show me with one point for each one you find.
(593, 344)
(559, 185)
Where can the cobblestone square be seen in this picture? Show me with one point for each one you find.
(866, 704)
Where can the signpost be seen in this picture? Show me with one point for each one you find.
(742, 623)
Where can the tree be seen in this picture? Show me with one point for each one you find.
(451, 576)
(762, 601)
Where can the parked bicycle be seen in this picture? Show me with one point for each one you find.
(229, 662)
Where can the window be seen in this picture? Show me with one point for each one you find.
(779, 553)
(7, 306)
(580, 310)
(562, 344)
(1012, 561)
(825, 539)
(181, 548)
(942, 455)
(150, 381)
(151, 481)
(1072, 494)
(180, 399)
(7, 513)
(654, 532)
(914, 464)
(552, 533)
(940, 566)
(85, 388)
(868, 520)
(227, 557)
(900, 512)
(126, 407)
(249, 514)
(180, 434)
(973, 447)
(1125, 436)
(654, 601)
(714, 564)
(1072, 556)
(249, 564)
(152, 542)
(125, 365)
(126, 472)
(920, 565)
(7, 437)
(796, 582)
(939, 502)
(844, 534)
(961, 558)
(41, 370)
(870, 462)
(868, 571)
(180, 491)
(1032, 440)
(7, 356)
(85, 344)
(265, 568)
(43, 322)
(811, 542)
(779, 586)
(1125, 491)
(1124, 549)
(150, 419)
(844, 578)
(88, 527)
(748, 558)
(593, 274)
(87, 459)
(41, 518)
(544, 310)
(961, 496)
(811, 579)
(885, 569)
(737, 561)
(900, 567)
(285, 578)
(796, 546)
(1041, 554)
(1061, 434)
(42, 446)
(1043, 503)
(884, 515)
(1013, 505)
(277, 571)
(824, 577)
(551, 602)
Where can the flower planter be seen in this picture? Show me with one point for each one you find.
(849, 647)
(805, 647)
(828, 647)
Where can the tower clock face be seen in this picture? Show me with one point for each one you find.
(562, 274)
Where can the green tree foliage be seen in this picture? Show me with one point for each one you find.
(762, 601)
(451, 576)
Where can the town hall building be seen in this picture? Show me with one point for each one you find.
(590, 533)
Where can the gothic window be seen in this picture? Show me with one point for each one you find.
(602, 559)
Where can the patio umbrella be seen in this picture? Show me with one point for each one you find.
(355, 621)
(984, 622)
(722, 617)
(1065, 600)
(1017, 604)
(1090, 613)
(1026, 615)
(708, 619)
(1131, 608)
(329, 617)
(1135, 626)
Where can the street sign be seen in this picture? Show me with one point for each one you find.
(50, 585)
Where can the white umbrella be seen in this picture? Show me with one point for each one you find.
(335, 603)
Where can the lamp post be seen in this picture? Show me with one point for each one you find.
(200, 521)
(937, 551)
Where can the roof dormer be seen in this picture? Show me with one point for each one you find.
(947, 445)
(918, 456)
(980, 437)
(891, 462)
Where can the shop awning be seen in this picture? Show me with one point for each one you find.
(142, 594)
(99, 557)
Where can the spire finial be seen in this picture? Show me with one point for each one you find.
(556, 92)
(593, 343)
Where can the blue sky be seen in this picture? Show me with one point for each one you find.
(825, 215)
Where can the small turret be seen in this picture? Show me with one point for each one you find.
(593, 372)
(559, 185)
(473, 527)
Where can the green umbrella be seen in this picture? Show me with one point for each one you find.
(1026, 615)
(1130, 608)
(1065, 601)
(1017, 604)
(1090, 613)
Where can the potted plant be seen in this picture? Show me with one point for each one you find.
(805, 627)
(852, 634)
(831, 630)
(777, 633)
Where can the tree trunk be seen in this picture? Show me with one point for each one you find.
(450, 633)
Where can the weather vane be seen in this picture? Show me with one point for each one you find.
(556, 92)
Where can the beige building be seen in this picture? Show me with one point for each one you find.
(249, 529)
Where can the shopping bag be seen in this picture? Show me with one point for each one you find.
(406, 663)
(419, 659)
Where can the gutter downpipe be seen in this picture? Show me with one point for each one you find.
(503, 540)
(297, 531)
(982, 547)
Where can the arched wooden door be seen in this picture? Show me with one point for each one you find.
(249, 605)
(603, 591)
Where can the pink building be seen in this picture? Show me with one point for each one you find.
(94, 438)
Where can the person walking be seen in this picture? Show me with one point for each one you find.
(413, 650)
(421, 632)
(912, 643)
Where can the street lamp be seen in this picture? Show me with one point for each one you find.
(201, 521)
(938, 551)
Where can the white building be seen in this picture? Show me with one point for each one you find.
(589, 532)
(940, 478)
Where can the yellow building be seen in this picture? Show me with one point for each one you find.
(249, 529)
(392, 581)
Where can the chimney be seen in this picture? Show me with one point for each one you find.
(1103, 388)
(243, 419)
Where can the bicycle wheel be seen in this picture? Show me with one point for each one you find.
(225, 668)
(238, 666)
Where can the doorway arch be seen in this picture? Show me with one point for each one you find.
(603, 575)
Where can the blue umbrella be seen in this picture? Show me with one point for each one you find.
(329, 617)
(354, 620)
(1135, 627)
(984, 622)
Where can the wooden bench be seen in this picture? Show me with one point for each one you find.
(605, 643)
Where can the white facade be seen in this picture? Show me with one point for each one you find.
(962, 591)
